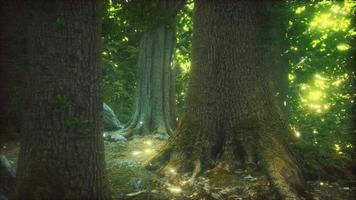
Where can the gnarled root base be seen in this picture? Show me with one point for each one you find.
(140, 129)
(189, 150)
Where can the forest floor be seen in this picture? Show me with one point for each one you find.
(130, 180)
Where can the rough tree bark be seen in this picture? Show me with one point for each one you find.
(155, 99)
(12, 59)
(232, 118)
(277, 47)
(62, 155)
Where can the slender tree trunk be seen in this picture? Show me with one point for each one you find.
(232, 118)
(62, 155)
(353, 118)
(155, 101)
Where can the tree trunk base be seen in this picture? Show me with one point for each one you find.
(141, 130)
(185, 153)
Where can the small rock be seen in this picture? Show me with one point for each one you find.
(250, 178)
(216, 196)
(114, 136)
(234, 197)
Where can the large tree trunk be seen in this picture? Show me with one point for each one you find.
(62, 155)
(12, 59)
(155, 98)
(278, 45)
(232, 118)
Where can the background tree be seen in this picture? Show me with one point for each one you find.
(232, 117)
(155, 101)
(61, 154)
(122, 30)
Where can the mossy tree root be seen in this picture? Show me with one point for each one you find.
(186, 153)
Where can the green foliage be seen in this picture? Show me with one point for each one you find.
(321, 78)
(147, 15)
(119, 58)
(184, 30)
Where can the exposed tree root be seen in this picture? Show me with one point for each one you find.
(267, 154)
(197, 169)
(140, 129)
(130, 131)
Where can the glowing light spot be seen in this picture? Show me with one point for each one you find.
(148, 151)
(320, 82)
(148, 142)
(172, 171)
(294, 48)
(136, 153)
(343, 47)
(185, 182)
(300, 10)
(335, 8)
(321, 183)
(326, 106)
(337, 83)
(315, 95)
(351, 32)
(329, 22)
(314, 43)
(125, 39)
(318, 76)
(337, 147)
(175, 189)
(141, 122)
(186, 67)
(296, 132)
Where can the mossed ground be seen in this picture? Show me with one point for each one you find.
(130, 180)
